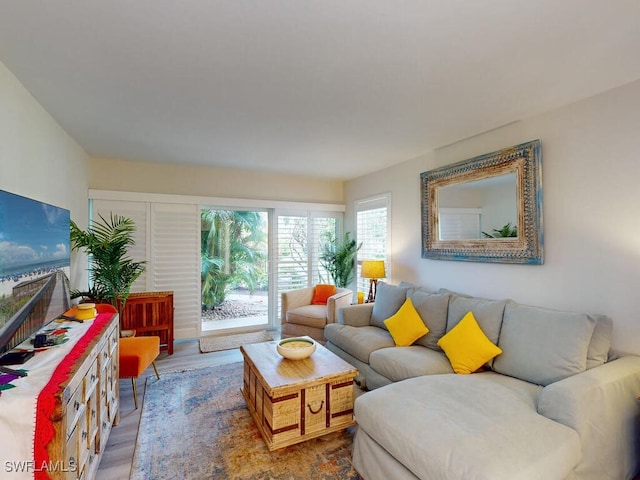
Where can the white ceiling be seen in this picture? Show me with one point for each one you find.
(332, 88)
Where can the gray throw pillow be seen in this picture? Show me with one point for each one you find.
(488, 313)
(433, 309)
(543, 346)
(600, 345)
(389, 299)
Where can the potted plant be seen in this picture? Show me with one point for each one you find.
(111, 271)
(338, 258)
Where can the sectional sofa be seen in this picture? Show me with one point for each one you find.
(554, 403)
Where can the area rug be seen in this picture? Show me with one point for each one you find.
(227, 342)
(195, 425)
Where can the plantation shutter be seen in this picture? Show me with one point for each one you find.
(293, 259)
(298, 240)
(175, 260)
(320, 227)
(459, 223)
(372, 230)
(167, 238)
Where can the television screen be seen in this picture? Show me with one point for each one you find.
(34, 266)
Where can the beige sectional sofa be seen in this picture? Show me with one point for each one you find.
(556, 403)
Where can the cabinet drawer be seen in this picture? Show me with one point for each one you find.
(92, 415)
(91, 380)
(75, 408)
(72, 457)
(113, 340)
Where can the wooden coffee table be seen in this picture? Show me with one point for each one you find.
(294, 400)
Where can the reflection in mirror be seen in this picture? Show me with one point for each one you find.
(485, 208)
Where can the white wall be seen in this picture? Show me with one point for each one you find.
(591, 173)
(39, 160)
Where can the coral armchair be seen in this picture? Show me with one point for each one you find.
(301, 317)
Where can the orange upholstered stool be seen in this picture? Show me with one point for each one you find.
(136, 354)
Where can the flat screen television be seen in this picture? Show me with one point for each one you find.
(34, 267)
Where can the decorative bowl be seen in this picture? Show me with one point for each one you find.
(296, 348)
(85, 311)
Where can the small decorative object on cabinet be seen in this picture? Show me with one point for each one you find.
(150, 313)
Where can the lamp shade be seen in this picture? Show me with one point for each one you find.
(372, 269)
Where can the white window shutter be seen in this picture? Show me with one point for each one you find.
(175, 257)
(459, 223)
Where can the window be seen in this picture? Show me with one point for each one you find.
(372, 230)
(298, 239)
(168, 237)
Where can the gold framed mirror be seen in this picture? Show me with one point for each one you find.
(485, 209)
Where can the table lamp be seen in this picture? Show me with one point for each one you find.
(372, 269)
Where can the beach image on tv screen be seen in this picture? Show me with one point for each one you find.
(34, 256)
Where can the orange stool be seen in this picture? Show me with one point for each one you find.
(136, 354)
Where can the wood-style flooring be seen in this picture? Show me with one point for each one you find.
(118, 456)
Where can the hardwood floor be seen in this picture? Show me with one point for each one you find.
(118, 456)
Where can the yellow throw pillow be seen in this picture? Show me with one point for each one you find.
(406, 325)
(467, 347)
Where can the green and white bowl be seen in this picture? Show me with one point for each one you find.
(296, 348)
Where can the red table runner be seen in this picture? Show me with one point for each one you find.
(46, 402)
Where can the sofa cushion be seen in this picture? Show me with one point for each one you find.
(406, 325)
(482, 426)
(358, 341)
(433, 309)
(467, 347)
(309, 315)
(600, 344)
(543, 346)
(389, 299)
(488, 313)
(401, 363)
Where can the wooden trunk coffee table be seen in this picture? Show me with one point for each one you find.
(294, 400)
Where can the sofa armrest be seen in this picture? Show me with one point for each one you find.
(355, 315)
(294, 299)
(342, 298)
(601, 405)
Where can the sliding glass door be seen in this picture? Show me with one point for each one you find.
(234, 268)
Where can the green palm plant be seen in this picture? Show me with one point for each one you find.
(111, 271)
(338, 258)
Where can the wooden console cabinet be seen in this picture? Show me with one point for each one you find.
(150, 313)
(87, 408)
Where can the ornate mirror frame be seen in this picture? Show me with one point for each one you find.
(527, 248)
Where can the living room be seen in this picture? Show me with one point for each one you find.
(588, 134)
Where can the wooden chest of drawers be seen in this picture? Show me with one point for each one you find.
(87, 408)
(295, 400)
(150, 313)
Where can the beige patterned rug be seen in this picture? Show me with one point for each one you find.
(195, 425)
(227, 342)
